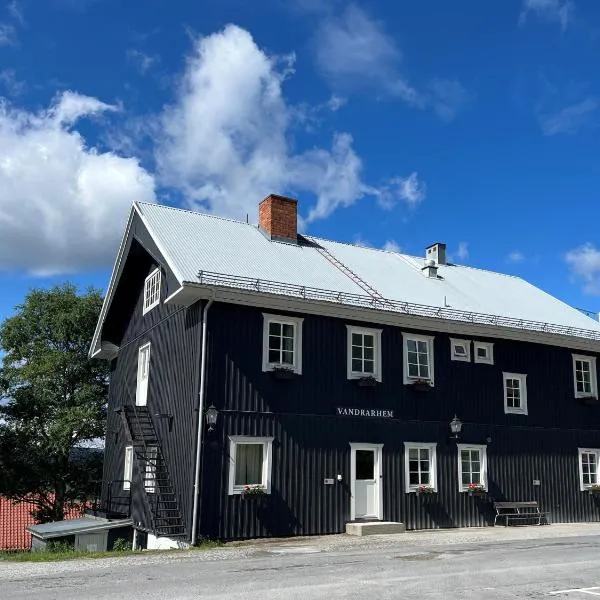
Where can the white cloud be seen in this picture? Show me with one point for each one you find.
(353, 50)
(560, 11)
(62, 203)
(392, 246)
(8, 35)
(463, 251)
(12, 85)
(224, 142)
(409, 190)
(14, 10)
(571, 119)
(584, 264)
(336, 102)
(140, 60)
(516, 256)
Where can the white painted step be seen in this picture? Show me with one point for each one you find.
(374, 528)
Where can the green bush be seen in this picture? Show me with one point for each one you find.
(121, 545)
(56, 546)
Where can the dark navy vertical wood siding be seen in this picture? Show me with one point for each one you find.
(311, 443)
(172, 390)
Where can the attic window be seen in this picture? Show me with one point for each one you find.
(460, 350)
(152, 291)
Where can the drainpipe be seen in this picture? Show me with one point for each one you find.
(200, 424)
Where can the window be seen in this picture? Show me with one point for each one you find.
(460, 350)
(584, 376)
(472, 466)
(128, 468)
(250, 463)
(588, 467)
(419, 466)
(484, 353)
(515, 393)
(143, 373)
(418, 357)
(150, 469)
(364, 353)
(152, 291)
(282, 343)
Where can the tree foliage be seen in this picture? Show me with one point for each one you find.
(54, 399)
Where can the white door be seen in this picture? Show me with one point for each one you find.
(366, 481)
(143, 372)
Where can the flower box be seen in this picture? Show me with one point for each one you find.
(426, 490)
(475, 489)
(420, 385)
(367, 381)
(282, 373)
(589, 400)
(252, 491)
(594, 489)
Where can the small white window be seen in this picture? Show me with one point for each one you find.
(483, 353)
(515, 393)
(418, 358)
(420, 466)
(282, 343)
(128, 468)
(152, 291)
(588, 467)
(584, 376)
(364, 353)
(250, 461)
(143, 374)
(150, 469)
(472, 466)
(460, 350)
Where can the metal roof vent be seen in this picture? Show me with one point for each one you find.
(430, 269)
(436, 253)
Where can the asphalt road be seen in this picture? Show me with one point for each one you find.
(538, 568)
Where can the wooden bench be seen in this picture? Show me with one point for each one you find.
(519, 512)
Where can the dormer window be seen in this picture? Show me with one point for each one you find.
(282, 343)
(460, 350)
(152, 291)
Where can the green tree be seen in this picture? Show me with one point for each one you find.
(53, 399)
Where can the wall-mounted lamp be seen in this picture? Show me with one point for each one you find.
(212, 415)
(455, 427)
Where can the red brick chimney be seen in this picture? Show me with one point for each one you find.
(278, 218)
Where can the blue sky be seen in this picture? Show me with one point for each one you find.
(394, 124)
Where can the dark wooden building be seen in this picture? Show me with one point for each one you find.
(266, 383)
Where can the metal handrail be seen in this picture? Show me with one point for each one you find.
(399, 306)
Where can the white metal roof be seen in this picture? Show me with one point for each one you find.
(215, 252)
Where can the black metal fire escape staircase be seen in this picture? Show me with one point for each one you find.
(159, 491)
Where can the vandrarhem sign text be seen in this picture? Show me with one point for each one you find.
(364, 412)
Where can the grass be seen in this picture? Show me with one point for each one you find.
(54, 556)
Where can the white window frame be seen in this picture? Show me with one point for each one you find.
(267, 443)
(460, 357)
(376, 333)
(593, 378)
(141, 388)
(127, 467)
(482, 449)
(418, 338)
(580, 451)
(151, 301)
(432, 447)
(150, 469)
(522, 378)
(296, 322)
(489, 346)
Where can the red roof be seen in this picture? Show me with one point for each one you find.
(14, 518)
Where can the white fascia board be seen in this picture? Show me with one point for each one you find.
(424, 324)
(96, 350)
